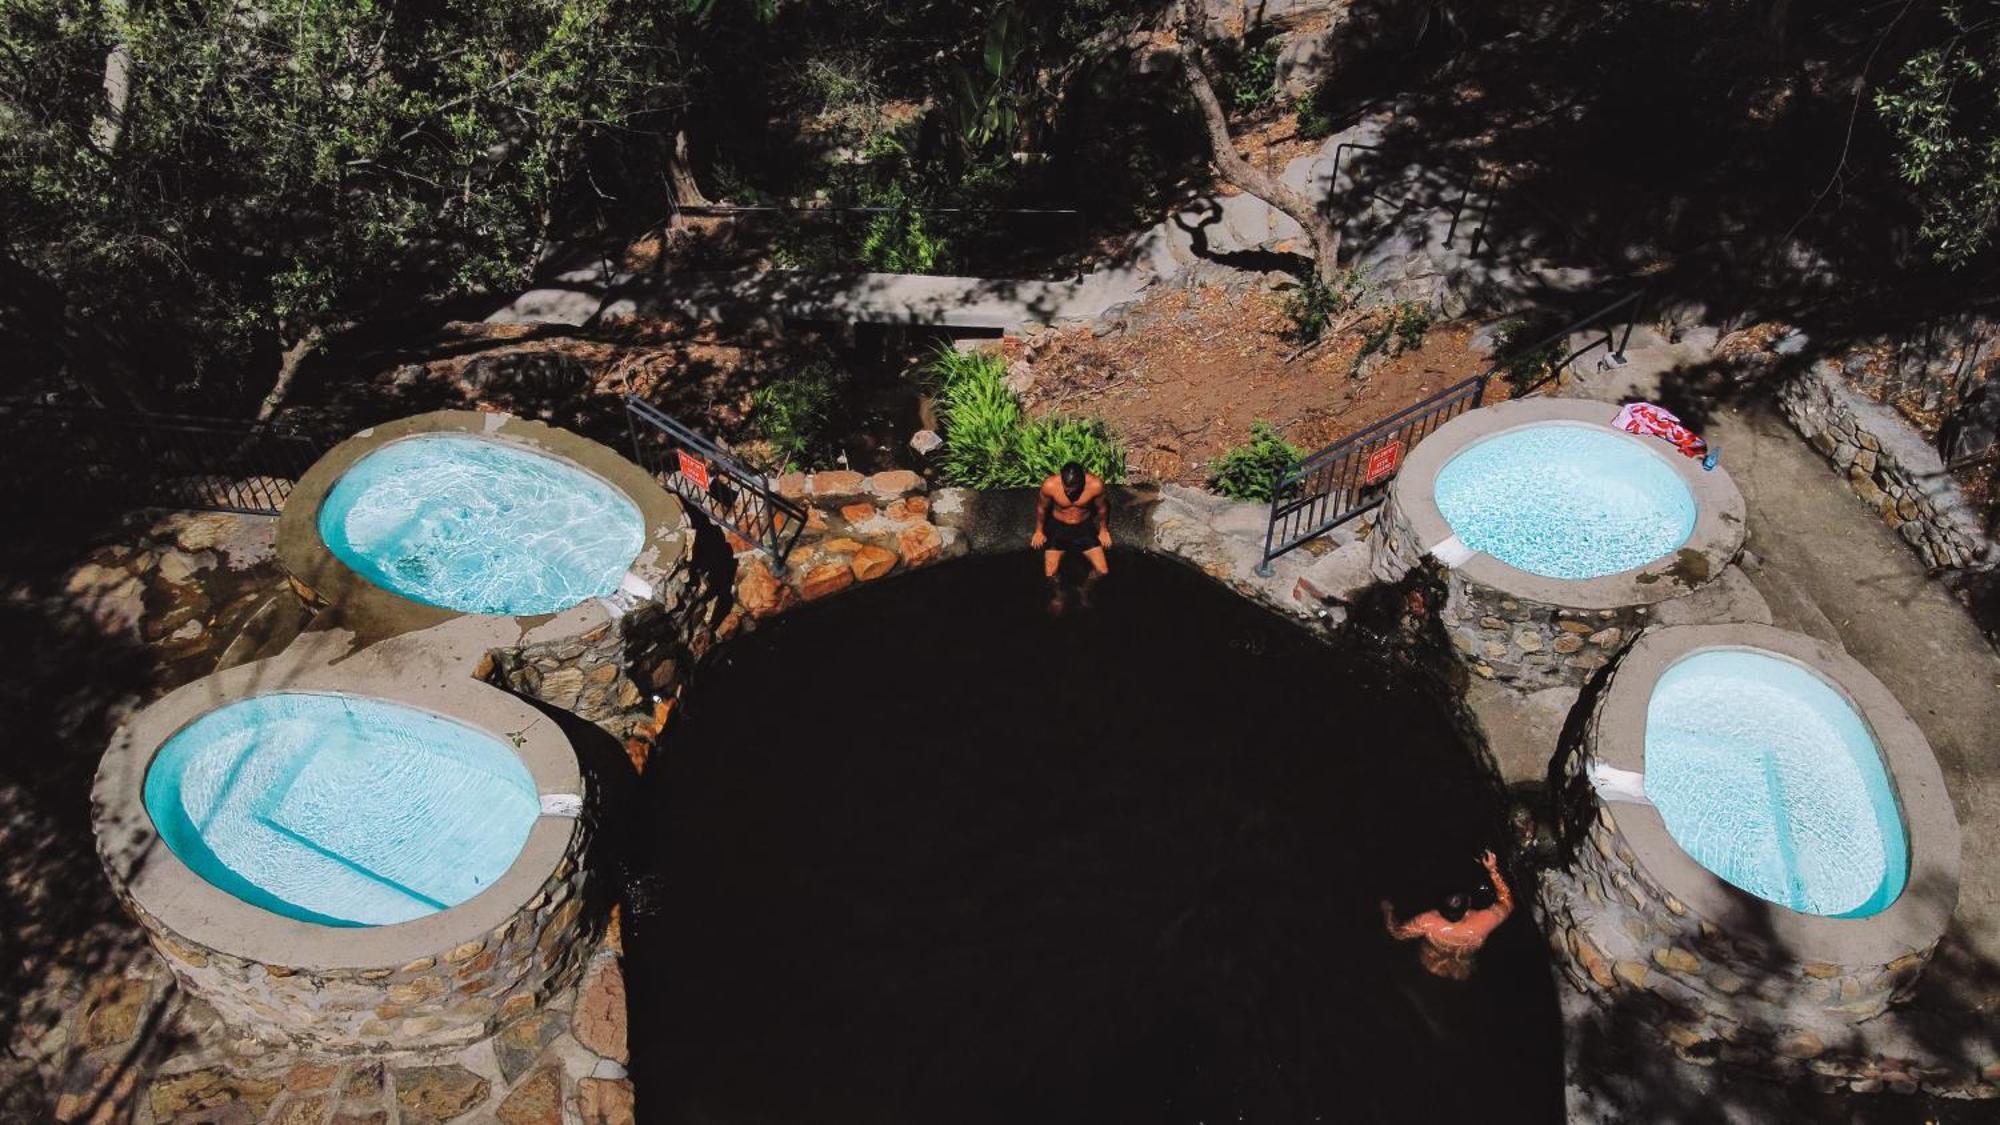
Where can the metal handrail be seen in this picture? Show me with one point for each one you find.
(737, 496)
(1336, 483)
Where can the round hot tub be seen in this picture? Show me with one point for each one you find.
(1762, 838)
(368, 852)
(1561, 533)
(1563, 500)
(479, 525)
(577, 555)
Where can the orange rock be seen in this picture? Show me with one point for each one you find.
(815, 521)
(857, 513)
(792, 486)
(837, 484)
(872, 562)
(824, 579)
(895, 482)
(844, 545)
(759, 591)
(738, 544)
(599, 1022)
(605, 1101)
(919, 544)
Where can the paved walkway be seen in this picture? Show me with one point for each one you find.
(855, 298)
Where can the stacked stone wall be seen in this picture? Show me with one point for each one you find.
(445, 999)
(1889, 466)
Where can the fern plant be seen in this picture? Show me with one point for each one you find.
(1251, 471)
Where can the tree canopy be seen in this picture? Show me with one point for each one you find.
(223, 179)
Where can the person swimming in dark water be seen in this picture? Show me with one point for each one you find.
(1454, 933)
(1072, 513)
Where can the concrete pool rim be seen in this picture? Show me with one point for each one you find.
(1918, 915)
(1714, 543)
(164, 888)
(327, 580)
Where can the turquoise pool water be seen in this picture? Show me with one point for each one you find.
(1767, 776)
(1566, 501)
(339, 809)
(480, 526)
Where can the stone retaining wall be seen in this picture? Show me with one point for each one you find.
(1889, 466)
(449, 999)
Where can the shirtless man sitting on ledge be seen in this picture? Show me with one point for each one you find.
(1072, 514)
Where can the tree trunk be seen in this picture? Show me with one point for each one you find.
(680, 174)
(288, 369)
(1247, 176)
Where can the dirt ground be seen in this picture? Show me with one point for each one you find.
(1195, 367)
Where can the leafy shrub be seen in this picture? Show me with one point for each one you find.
(1524, 370)
(1315, 305)
(982, 420)
(1250, 80)
(1399, 330)
(1314, 113)
(794, 412)
(1047, 444)
(989, 442)
(900, 240)
(1251, 471)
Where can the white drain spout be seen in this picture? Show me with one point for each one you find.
(1452, 551)
(568, 805)
(1614, 784)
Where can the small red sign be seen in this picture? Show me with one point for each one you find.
(1383, 461)
(693, 469)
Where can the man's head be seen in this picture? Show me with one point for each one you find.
(1072, 478)
(1455, 905)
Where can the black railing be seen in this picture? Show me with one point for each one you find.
(1562, 350)
(91, 456)
(731, 493)
(1477, 191)
(1352, 475)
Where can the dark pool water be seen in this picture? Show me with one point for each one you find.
(924, 853)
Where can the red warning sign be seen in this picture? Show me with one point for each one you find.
(693, 469)
(1383, 461)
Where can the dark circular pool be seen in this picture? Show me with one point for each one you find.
(925, 853)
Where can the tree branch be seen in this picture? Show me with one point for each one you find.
(1243, 174)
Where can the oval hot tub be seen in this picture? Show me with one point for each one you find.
(1767, 776)
(341, 810)
(352, 851)
(1759, 837)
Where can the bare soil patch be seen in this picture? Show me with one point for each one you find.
(1195, 367)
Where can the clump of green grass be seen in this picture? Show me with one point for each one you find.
(1316, 306)
(1251, 471)
(794, 413)
(989, 441)
(1400, 330)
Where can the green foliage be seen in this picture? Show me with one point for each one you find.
(901, 240)
(982, 421)
(1251, 471)
(989, 442)
(795, 411)
(983, 103)
(1943, 111)
(1047, 444)
(1396, 331)
(1314, 113)
(292, 165)
(1249, 81)
(1315, 305)
(1525, 369)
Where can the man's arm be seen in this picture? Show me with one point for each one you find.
(1042, 505)
(1103, 515)
(1503, 896)
(1401, 931)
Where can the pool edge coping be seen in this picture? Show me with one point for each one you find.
(1918, 916)
(1720, 526)
(143, 868)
